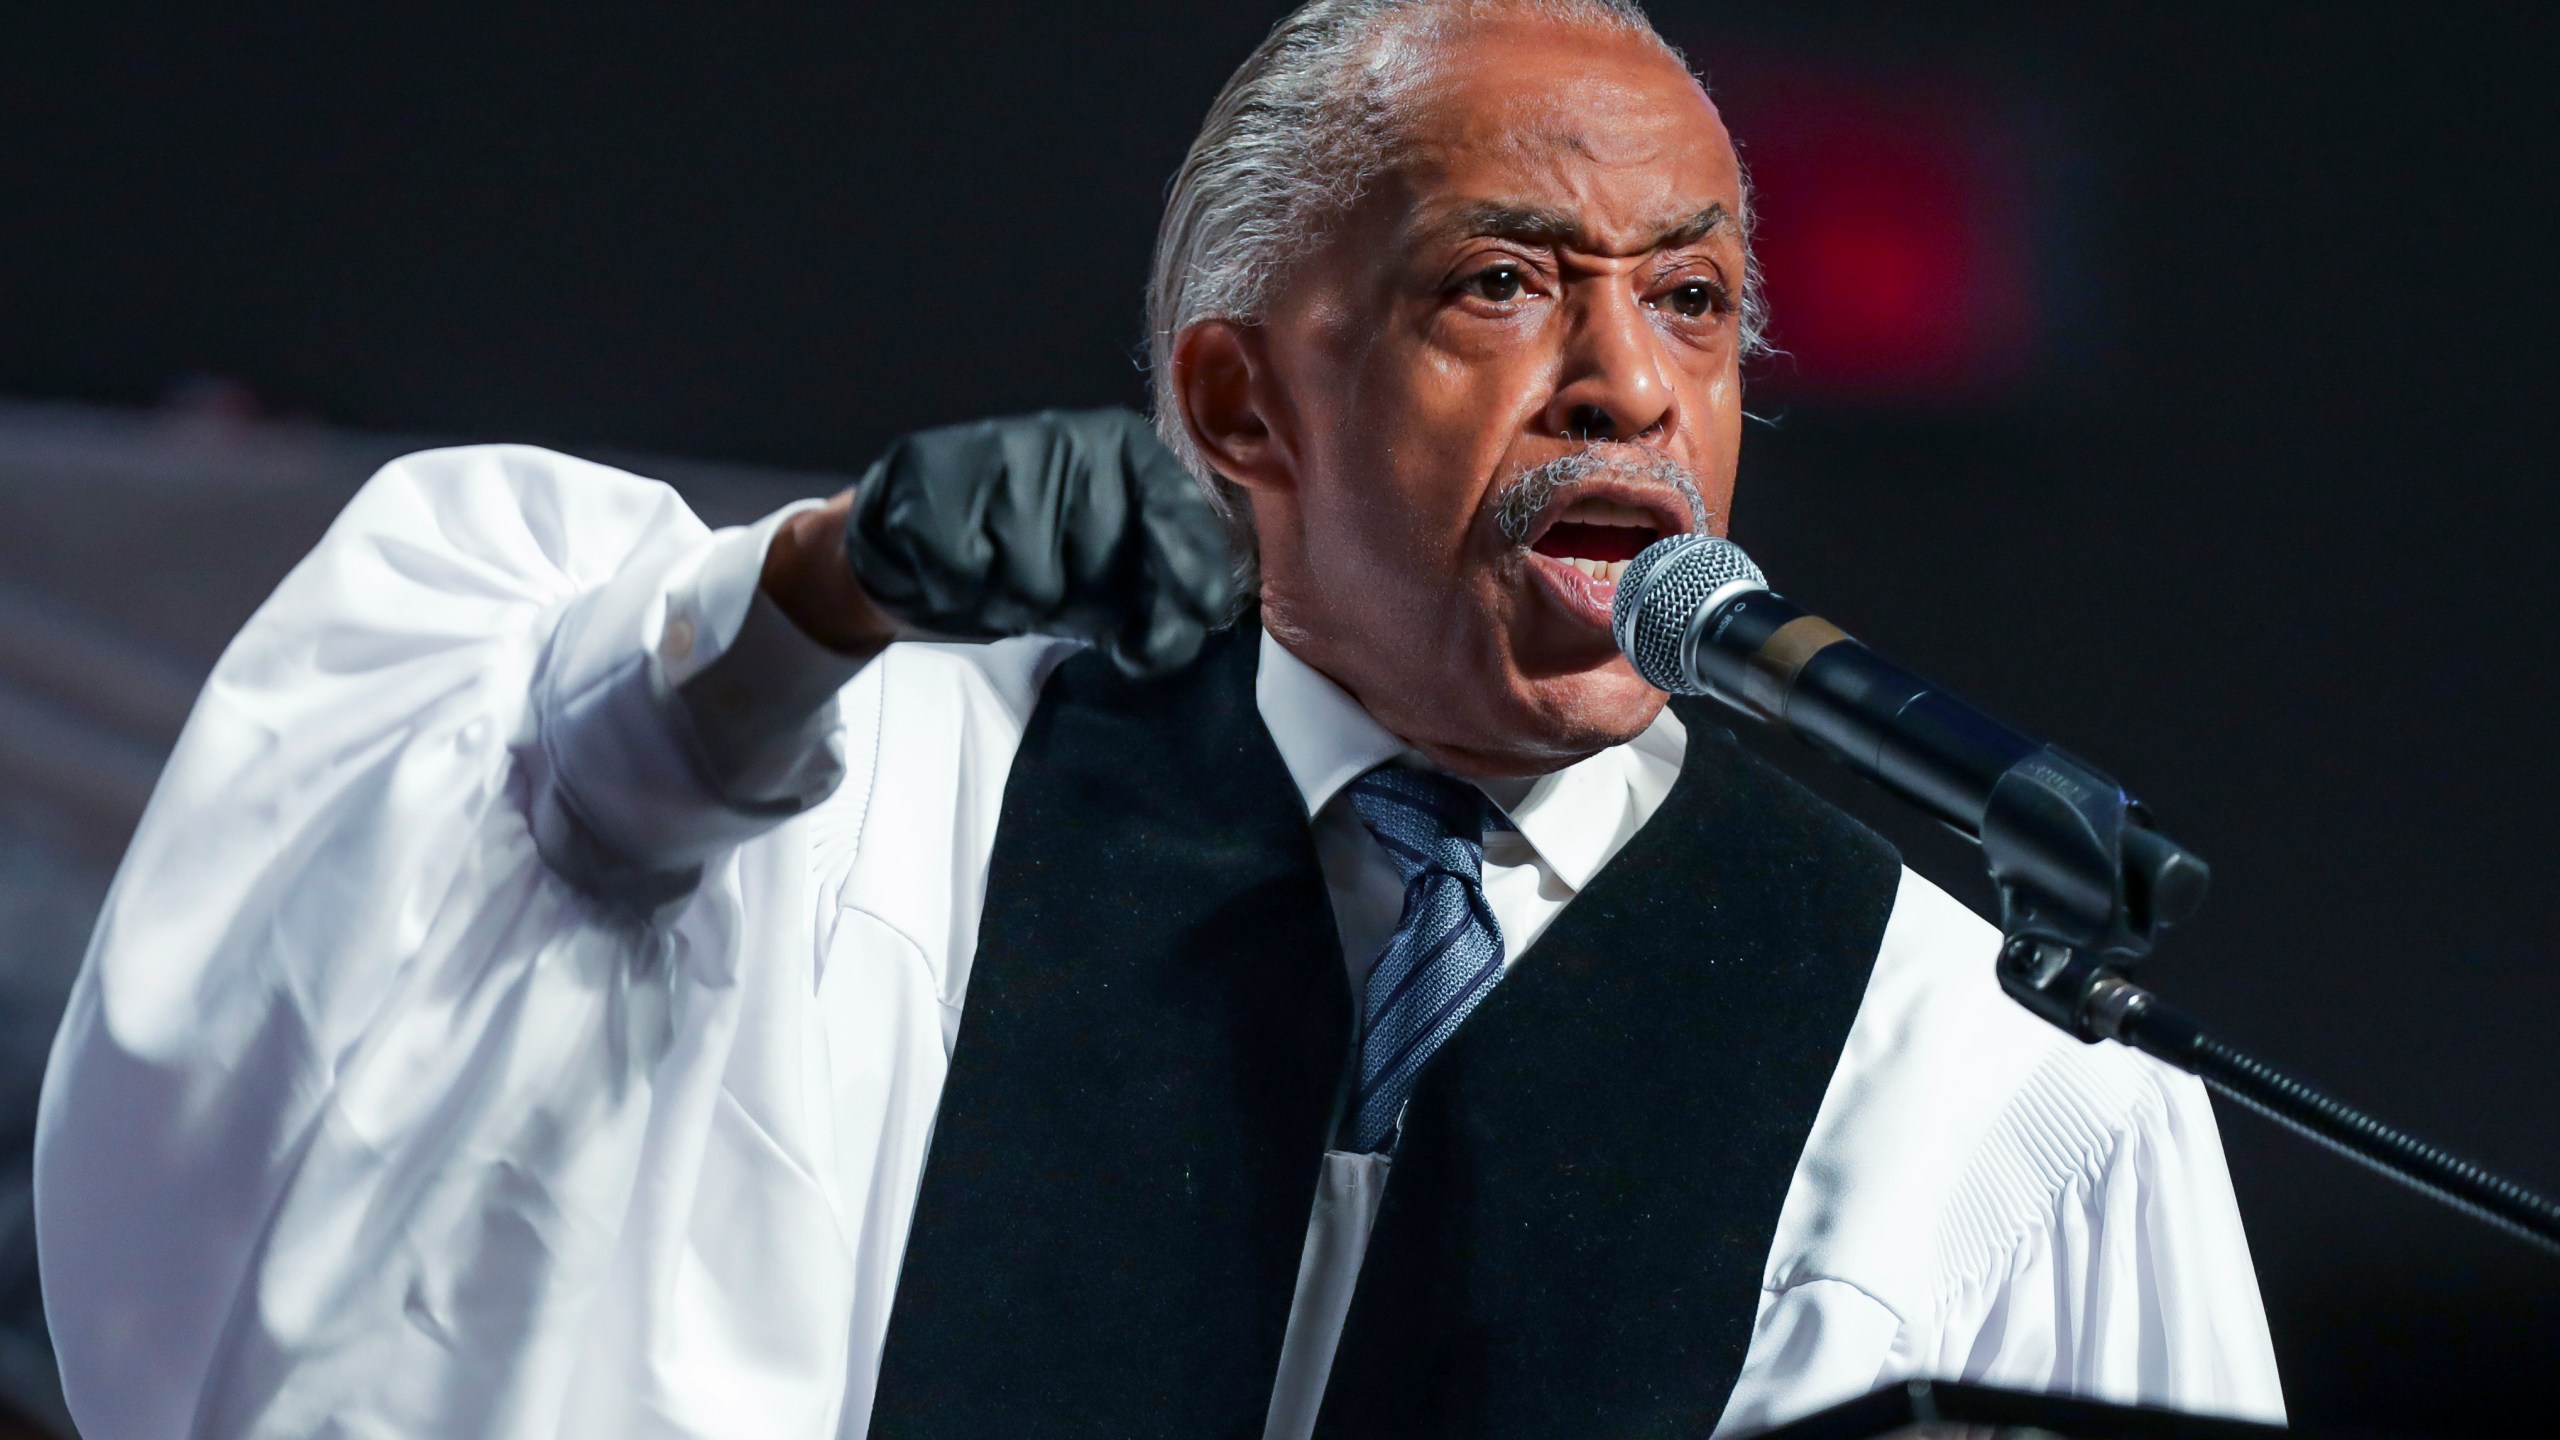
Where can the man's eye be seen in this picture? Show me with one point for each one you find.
(1500, 284)
(1695, 299)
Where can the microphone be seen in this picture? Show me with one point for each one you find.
(2086, 884)
(1696, 617)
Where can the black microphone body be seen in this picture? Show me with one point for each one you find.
(2074, 856)
(1782, 664)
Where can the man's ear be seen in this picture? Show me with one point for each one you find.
(1222, 380)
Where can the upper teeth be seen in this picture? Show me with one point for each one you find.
(1597, 569)
(1594, 511)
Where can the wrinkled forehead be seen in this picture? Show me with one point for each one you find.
(1575, 119)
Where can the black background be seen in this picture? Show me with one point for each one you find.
(2264, 529)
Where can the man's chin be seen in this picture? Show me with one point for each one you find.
(1558, 719)
(1593, 709)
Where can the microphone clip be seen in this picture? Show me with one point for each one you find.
(2086, 886)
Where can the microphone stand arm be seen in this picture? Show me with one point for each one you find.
(2086, 887)
(2127, 1012)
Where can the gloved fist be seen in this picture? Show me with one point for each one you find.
(1076, 523)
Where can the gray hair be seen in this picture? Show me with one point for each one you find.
(1293, 140)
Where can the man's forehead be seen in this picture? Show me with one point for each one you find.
(1557, 129)
(1606, 118)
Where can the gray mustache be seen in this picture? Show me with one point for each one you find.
(1519, 504)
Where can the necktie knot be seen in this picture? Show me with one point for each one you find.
(1424, 820)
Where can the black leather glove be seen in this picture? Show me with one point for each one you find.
(1069, 522)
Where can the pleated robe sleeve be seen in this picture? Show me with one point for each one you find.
(1985, 1198)
(364, 1120)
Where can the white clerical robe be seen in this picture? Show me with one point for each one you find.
(366, 1120)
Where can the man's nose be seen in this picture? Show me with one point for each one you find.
(1612, 384)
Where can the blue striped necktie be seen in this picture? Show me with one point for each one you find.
(1446, 953)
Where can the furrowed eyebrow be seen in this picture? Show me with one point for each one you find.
(1521, 224)
(1692, 230)
(1536, 225)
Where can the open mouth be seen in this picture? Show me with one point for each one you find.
(1598, 536)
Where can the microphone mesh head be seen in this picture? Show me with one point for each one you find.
(1660, 594)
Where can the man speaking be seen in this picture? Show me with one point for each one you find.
(583, 975)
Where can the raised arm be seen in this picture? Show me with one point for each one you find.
(469, 897)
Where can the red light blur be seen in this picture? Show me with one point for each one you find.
(1895, 236)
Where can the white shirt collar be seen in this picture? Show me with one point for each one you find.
(1574, 818)
(1324, 737)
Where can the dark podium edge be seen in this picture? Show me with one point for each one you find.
(1952, 1403)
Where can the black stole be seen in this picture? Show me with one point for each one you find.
(1108, 1235)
